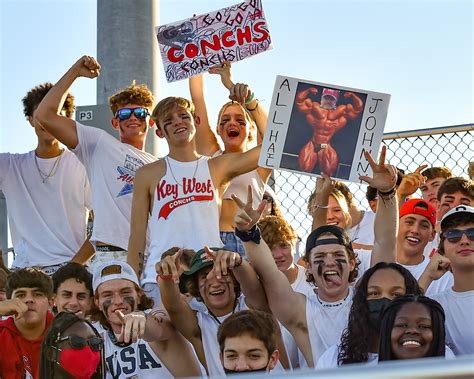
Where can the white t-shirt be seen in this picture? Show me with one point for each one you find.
(364, 257)
(459, 311)
(209, 326)
(432, 246)
(47, 219)
(437, 286)
(111, 166)
(329, 358)
(363, 232)
(302, 286)
(137, 360)
(326, 322)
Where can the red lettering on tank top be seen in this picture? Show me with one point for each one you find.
(163, 190)
(197, 191)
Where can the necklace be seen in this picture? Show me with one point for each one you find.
(172, 174)
(215, 317)
(330, 305)
(53, 170)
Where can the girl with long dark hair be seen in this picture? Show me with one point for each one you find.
(375, 289)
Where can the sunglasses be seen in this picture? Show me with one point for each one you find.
(125, 113)
(455, 235)
(77, 342)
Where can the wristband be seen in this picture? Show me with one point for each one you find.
(250, 98)
(250, 235)
(317, 206)
(389, 194)
(166, 278)
(256, 106)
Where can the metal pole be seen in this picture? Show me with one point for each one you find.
(3, 228)
(127, 49)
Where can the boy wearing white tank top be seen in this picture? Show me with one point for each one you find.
(139, 343)
(179, 197)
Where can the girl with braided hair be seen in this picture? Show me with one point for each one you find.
(72, 348)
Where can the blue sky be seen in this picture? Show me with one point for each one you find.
(420, 52)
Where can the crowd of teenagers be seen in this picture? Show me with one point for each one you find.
(191, 268)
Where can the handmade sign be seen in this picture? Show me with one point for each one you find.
(191, 46)
(315, 127)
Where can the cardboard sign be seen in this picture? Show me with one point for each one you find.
(191, 46)
(315, 127)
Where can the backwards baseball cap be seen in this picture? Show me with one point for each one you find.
(420, 207)
(466, 210)
(342, 238)
(122, 270)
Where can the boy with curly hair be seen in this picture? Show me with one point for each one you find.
(47, 194)
(111, 164)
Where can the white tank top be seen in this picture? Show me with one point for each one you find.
(185, 211)
(137, 360)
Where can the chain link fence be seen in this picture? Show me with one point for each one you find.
(451, 147)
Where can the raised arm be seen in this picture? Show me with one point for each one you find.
(242, 94)
(182, 316)
(227, 166)
(48, 113)
(410, 183)
(141, 205)
(386, 218)
(225, 261)
(289, 307)
(206, 140)
(318, 206)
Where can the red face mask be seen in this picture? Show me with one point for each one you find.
(80, 363)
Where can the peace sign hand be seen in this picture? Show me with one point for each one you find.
(384, 175)
(246, 217)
